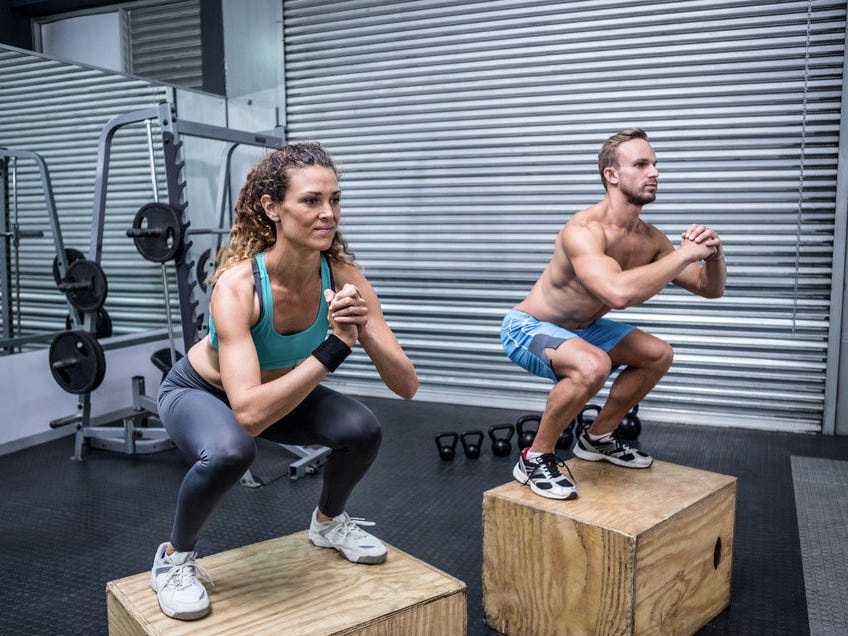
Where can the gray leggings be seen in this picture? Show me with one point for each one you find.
(199, 420)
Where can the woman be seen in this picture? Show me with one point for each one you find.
(290, 277)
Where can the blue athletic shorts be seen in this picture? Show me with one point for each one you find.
(524, 339)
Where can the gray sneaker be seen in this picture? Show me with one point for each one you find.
(174, 578)
(344, 534)
(611, 449)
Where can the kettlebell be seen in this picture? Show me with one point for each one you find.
(471, 443)
(630, 426)
(447, 450)
(582, 422)
(500, 444)
(525, 438)
(566, 438)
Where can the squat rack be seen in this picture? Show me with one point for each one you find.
(11, 237)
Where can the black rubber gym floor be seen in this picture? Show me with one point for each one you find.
(67, 527)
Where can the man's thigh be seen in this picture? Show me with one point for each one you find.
(576, 356)
(636, 348)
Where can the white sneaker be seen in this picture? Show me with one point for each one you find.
(174, 578)
(344, 534)
(611, 449)
(543, 476)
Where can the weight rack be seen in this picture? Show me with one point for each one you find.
(12, 236)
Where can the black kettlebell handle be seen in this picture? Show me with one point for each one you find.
(509, 428)
(449, 447)
(634, 410)
(469, 445)
(519, 425)
(463, 437)
(525, 438)
(581, 422)
(501, 446)
(528, 418)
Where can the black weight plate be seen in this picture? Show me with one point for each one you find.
(205, 266)
(77, 361)
(102, 324)
(164, 222)
(72, 255)
(92, 297)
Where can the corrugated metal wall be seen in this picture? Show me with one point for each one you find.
(165, 42)
(467, 133)
(57, 110)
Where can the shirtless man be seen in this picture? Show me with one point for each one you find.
(606, 257)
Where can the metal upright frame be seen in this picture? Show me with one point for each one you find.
(12, 236)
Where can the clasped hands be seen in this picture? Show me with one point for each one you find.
(348, 312)
(705, 237)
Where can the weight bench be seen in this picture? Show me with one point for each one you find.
(132, 430)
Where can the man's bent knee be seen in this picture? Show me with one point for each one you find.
(591, 371)
(663, 356)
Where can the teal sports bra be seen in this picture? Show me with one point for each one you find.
(275, 350)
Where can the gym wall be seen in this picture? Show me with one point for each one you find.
(63, 124)
(467, 134)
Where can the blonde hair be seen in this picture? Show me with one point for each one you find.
(253, 232)
(608, 155)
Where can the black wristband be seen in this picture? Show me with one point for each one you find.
(332, 352)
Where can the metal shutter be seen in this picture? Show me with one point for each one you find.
(165, 42)
(467, 133)
(57, 110)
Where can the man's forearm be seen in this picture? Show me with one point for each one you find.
(714, 277)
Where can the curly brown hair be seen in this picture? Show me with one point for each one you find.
(253, 232)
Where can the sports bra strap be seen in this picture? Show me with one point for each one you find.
(257, 284)
(330, 268)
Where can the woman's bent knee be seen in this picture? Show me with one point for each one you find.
(234, 457)
(360, 429)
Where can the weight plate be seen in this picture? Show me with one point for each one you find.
(205, 267)
(157, 232)
(102, 324)
(77, 361)
(90, 282)
(72, 255)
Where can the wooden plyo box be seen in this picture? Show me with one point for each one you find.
(638, 552)
(288, 586)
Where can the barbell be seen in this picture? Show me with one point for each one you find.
(158, 232)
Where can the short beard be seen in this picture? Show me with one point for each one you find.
(641, 200)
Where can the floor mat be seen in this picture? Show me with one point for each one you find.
(821, 499)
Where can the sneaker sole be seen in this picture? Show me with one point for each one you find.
(353, 558)
(167, 611)
(598, 457)
(521, 478)
(187, 616)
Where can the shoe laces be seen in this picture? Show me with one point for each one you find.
(184, 575)
(548, 464)
(350, 527)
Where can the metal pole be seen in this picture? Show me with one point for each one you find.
(836, 383)
(16, 243)
(164, 268)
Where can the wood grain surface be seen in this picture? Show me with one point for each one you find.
(288, 586)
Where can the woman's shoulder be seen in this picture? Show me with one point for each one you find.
(237, 278)
(345, 272)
